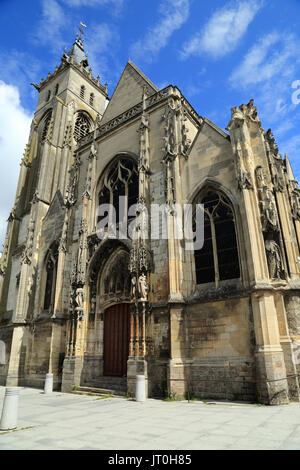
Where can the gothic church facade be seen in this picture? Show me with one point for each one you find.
(221, 321)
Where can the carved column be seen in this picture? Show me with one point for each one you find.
(140, 264)
(288, 231)
(175, 150)
(176, 146)
(28, 263)
(16, 362)
(79, 304)
(68, 148)
(259, 214)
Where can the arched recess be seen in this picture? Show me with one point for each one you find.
(109, 287)
(31, 181)
(110, 257)
(222, 258)
(48, 278)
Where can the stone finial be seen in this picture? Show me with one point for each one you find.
(241, 113)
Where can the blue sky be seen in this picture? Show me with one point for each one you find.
(219, 53)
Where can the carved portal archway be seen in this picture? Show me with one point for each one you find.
(110, 284)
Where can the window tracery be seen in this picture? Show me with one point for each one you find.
(82, 126)
(218, 260)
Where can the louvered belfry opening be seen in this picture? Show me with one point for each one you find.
(116, 340)
(218, 260)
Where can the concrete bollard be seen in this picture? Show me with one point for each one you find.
(9, 417)
(140, 390)
(48, 387)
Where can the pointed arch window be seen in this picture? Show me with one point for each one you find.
(218, 260)
(47, 123)
(92, 96)
(48, 95)
(82, 91)
(120, 179)
(56, 88)
(82, 126)
(51, 272)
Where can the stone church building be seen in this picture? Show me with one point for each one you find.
(222, 321)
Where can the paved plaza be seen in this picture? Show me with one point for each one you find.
(70, 421)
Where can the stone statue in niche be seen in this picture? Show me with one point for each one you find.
(143, 287)
(133, 286)
(294, 192)
(79, 302)
(243, 176)
(275, 264)
(269, 211)
(267, 202)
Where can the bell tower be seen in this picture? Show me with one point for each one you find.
(71, 102)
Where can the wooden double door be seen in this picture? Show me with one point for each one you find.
(116, 340)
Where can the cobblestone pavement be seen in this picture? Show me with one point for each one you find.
(69, 421)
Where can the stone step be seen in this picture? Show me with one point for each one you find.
(101, 391)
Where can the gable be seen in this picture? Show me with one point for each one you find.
(128, 92)
(54, 219)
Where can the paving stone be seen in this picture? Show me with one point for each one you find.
(156, 425)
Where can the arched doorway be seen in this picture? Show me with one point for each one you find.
(116, 340)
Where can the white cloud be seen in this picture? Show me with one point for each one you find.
(291, 146)
(267, 72)
(13, 71)
(267, 58)
(94, 3)
(51, 25)
(173, 14)
(223, 31)
(103, 59)
(14, 130)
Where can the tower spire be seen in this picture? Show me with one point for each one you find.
(77, 50)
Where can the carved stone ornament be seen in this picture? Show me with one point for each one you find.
(79, 299)
(89, 178)
(27, 253)
(82, 261)
(294, 193)
(243, 177)
(143, 287)
(140, 259)
(4, 258)
(275, 161)
(64, 235)
(175, 139)
(71, 198)
(68, 138)
(26, 156)
(270, 142)
(93, 242)
(12, 215)
(268, 210)
(241, 114)
(274, 258)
